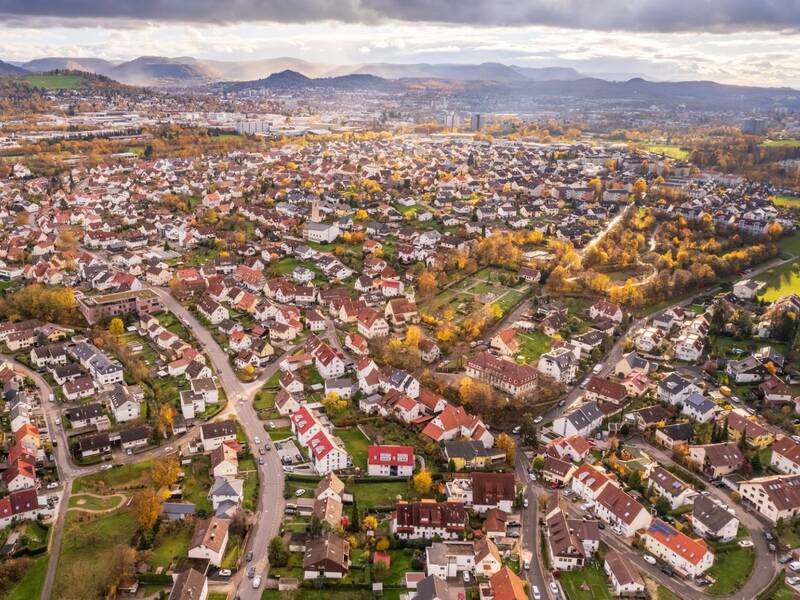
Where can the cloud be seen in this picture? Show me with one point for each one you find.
(603, 15)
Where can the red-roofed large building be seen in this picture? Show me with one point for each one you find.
(686, 555)
(390, 461)
(454, 422)
(328, 453)
(503, 374)
(428, 519)
(305, 425)
(588, 481)
(23, 504)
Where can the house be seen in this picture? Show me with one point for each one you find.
(649, 417)
(178, 511)
(747, 289)
(574, 448)
(712, 521)
(699, 408)
(470, 454)
(288, 403)
(507, 376)
(605, 390)
(755, 434)
(450, 559)
(557, 471)
(322, 233)
(93, 445)
(624, 576)
(328, 453)
(21, 505)
(717, 460)
(329, 486)
(191, 404)
(675, 436)
(328, 510)
(224, 460)
(570, 542)
(560, 364)
(84, 415)
(433, 587)
(588, 481)
(774, 497)
(667, 485)
(326, 556)
(454, 422)
(603, 309)
(226, 490)
(371, 324)
(483, 491)
(774, 391)
(390, 461)
(135, 437)
(505, 342)
(688, 556)
(189, 585)
(675, 389)
(213, 311)
(80, 387)
(618, 508)
(785, 455)
(746, 370)
(210, 539)
(20, 475)
(121, 404)
(504, 585)
(582, 420)
(631, 363)
(215, 434)
(427, 519)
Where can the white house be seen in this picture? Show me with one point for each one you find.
(688, 556)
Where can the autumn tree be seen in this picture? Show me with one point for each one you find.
(334, 404)
(370, 523)
(165, 472)
(423, 482)
(506, 443)
(116, 326)
(146, 509)
(413, 336)
(427, 284)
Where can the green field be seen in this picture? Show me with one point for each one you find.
(731, 569)
(533, 345)
(56, 81)
(93, 502)
(790, 245)
(787, 201)
(595, 580)
(356, 445)
(781, 144)
(171, 542)
(119, 478)
(31, 584)
(88, 552)
(669, 150)
(781, 281)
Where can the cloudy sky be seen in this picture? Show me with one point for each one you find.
(733, 41)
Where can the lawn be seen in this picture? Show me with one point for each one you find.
(32, 582)
(533, 345)
(356, 444)
(171, 323)
(170, 543)
(250, 491)
(119, 478)
(781, 281)
(88, 552)
(197, 482)
(731, 569)
(56, 81)
(787, 201)
(790, 244)
(669, 150)
(93, 502)
(401, 564)
(368, 495)
(264, 400)
(781, 143)
(280, 433)
(593, 577)
(35, 536)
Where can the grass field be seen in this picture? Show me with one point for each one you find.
(120, 478)
(477, 289)
(781, 281)
(593, 577)
(787, 201)
(56, 81)
(781, 144)
(170, 543)
(790, 244)
(31, 584)
(731, 569)
(88, 552)
(92, 502)
(533, 345)
(669, 150)
(356, 444)
(368, 495)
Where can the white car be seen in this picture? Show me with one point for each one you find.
(746, 543)
(257, 440)
(256, 582)
(169, 449)
(300, 492)
(597, 368)
(649, 559)
(537, 595)
(58, 421)
(466, 577)
(554, 589)
(793, 580)
(52, 485)
(617, 529)
(525, 502)
(225, 573)
(107, 467)
(538, 419)
(533, 476)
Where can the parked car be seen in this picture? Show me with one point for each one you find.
(261, 461)
(597, 368)
(516, 429)
(251, 572)
(299, 492)
(52, 485)
(667, 570)
(261, 451)
(537, 595)
(525, 502)
(257, 440)
(649, 559)
(225, 573)
(538, 419)
(466, 577)
(554, 589)
(793, 580)
(746, 543)
(256, 582)
(616, 529)
(249, 556)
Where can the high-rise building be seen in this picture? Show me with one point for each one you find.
(476, 122)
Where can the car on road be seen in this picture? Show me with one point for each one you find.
(300, 492)
(667, 570)
(261, 461)
(768, 536)
(225, 573)
(601, 525)
(562, 403)
(267, 448)
(772, 547)
(52, 485)
(649, 559)
(525, 502)
(58, 421)
(251, 572)
(249, 556)
(169, 449)
(597, 368)
(107, 467)
(554, 589)
(746, 543)
(256, 582)
(466, 577)
(537, 595)
(271, 425)
(516, 431)
(617, 530)
(261, 451)
(538, 419)
(257, 440)
(532, 476)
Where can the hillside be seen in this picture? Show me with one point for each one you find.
(60, 63)
(7, 69)
(289, 79)
(161, 71)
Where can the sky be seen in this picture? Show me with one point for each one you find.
(752, 42)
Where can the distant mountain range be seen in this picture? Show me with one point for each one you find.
(188, 71)
(9, 69)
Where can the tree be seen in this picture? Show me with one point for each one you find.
(663, 506)
(427, 283)
(382, 545)
(355, 517)
(166, 414)
(538, 462)
(413, 336)
(370, 523)
(506, 443)
(423, 482)
(277, 553)
(334, 404)
(640, 188)
(116, 326)
(165, 472)
(314, 526)
(146, 509)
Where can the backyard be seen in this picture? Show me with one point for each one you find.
(356, 444)
(731, 569)
(32, 582)
(532, 345)
(595, 580)
(781, 281)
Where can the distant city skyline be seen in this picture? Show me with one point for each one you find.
(733, 41)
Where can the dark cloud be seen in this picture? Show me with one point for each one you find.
(625, 15)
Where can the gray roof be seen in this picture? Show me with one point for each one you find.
(709, 514)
